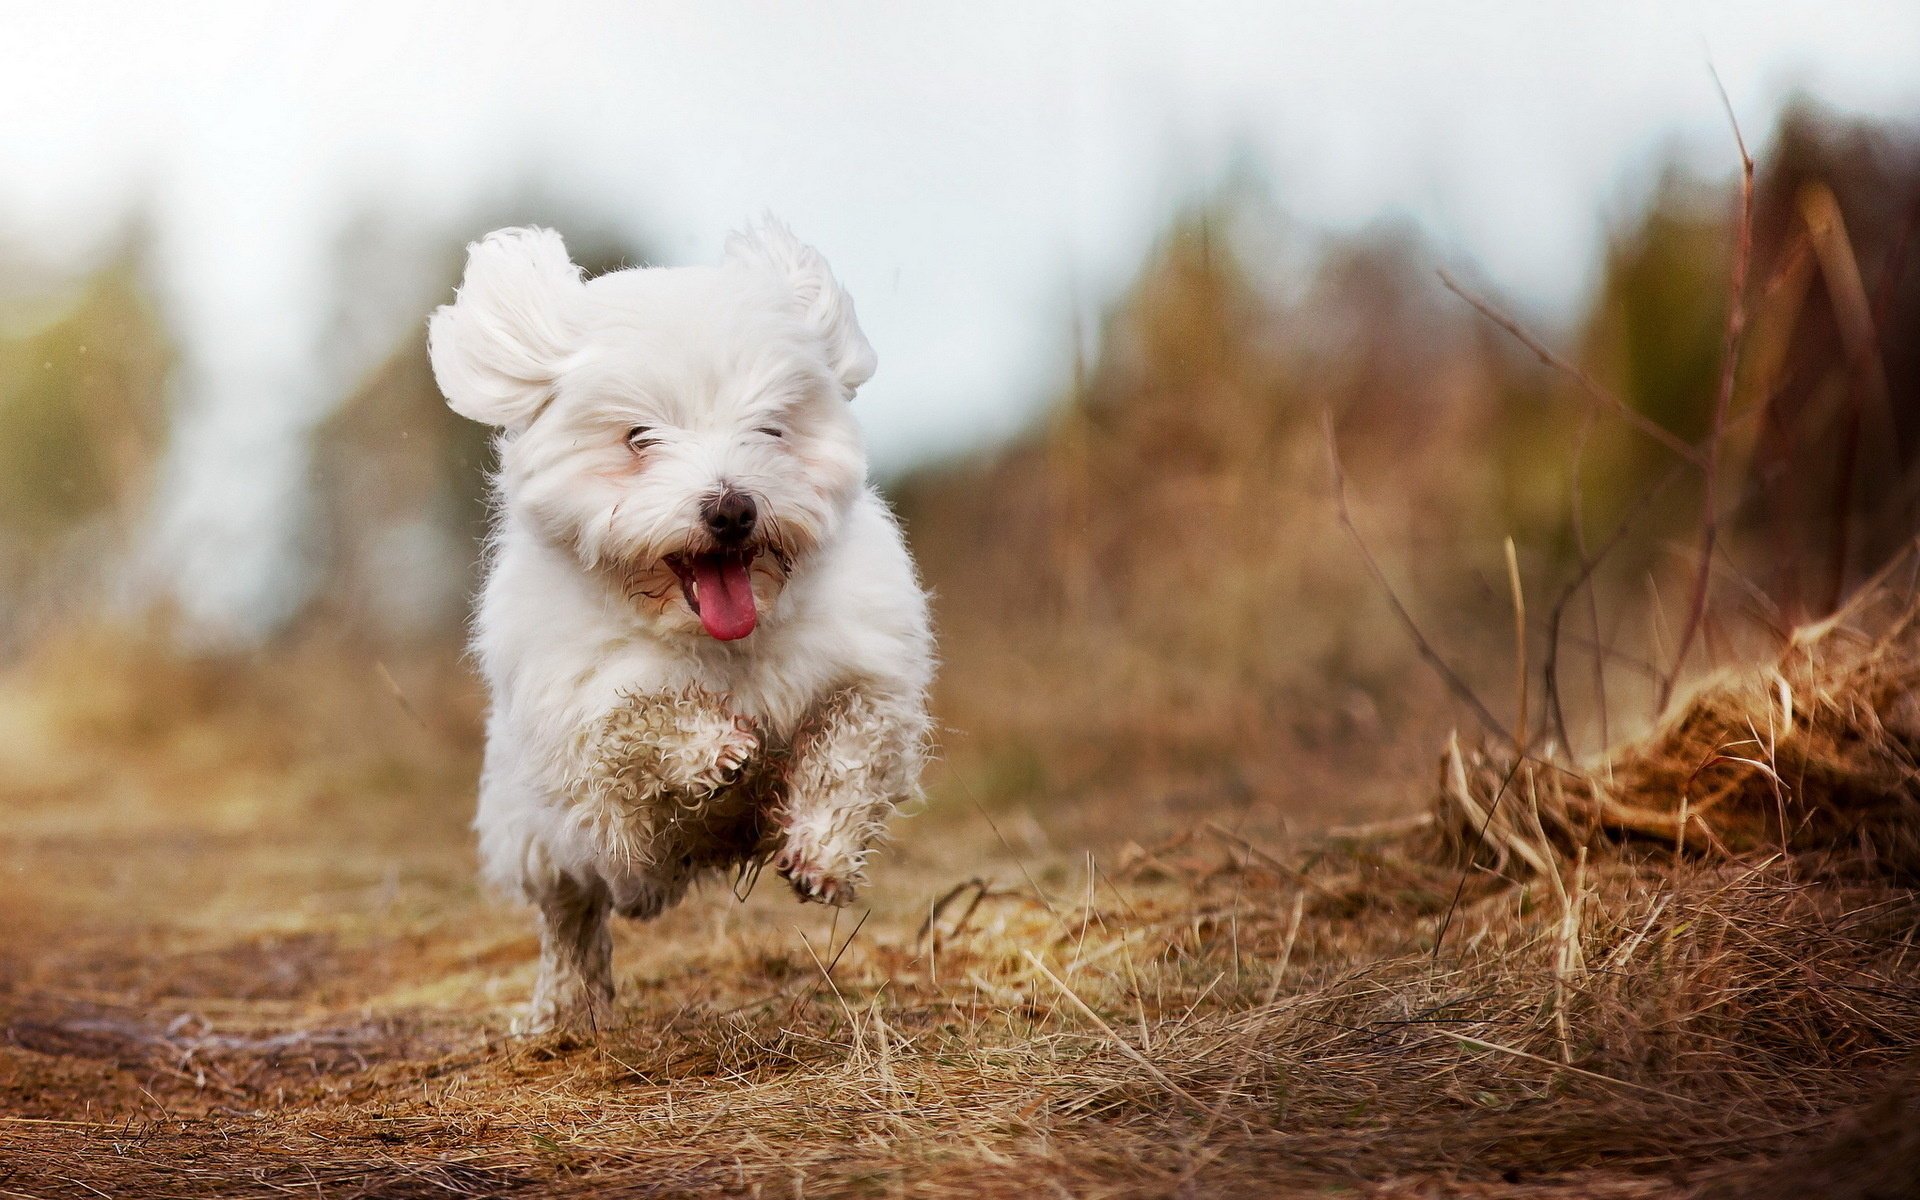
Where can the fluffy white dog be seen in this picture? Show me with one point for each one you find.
(704, 639)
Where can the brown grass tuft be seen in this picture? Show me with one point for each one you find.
(1818, 751)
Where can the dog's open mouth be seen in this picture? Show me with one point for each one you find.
(719, 590)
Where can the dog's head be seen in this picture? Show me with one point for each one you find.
(685, 431)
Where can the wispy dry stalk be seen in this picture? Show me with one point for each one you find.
(1578, 519)
(1569, 958)
(1598, 396)
(1113, 1035)
(1454, 788)
(1448, 675)
(1521, 740)
(1583, 581)
(1854, 316)
(1722, 404)
(1496, 1047)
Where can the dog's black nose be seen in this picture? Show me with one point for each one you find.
(730, 517)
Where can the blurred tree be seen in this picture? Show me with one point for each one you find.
(1653, 331)
(82, 426)
(1822, 458)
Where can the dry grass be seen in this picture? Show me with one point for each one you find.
(246, 958)
(1818, 752)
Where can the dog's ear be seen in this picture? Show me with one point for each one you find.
(828, 308)
(498, 348)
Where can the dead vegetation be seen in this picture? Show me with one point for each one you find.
(1817, 752)
(1556, 1001)
(242, 951)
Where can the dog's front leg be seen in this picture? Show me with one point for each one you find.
(648, 753)
(855, 760)
(574, 992)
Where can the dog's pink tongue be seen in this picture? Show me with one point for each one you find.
(726, 595)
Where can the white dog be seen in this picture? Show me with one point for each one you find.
(704, 639)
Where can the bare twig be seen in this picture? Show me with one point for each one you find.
(1722, 403)
(1011, 852)
(1461, 886)
(1448, 675)
(826, 970)
(1570, 957)
(1596, 394)
(930, 927)
(400, 696)
(1578, 518)
(1588, 565)
(1259, 1033)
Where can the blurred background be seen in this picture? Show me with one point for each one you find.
(1126, 267)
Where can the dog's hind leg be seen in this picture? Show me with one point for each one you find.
(854, 761)
(574, 992)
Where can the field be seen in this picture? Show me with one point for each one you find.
(1379, 756)
(246, 957)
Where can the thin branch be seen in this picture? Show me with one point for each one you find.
(1479, 840)
(1588, 565)
(1596, 394)
(826, 970)
(1842, 518)
(1726, 103)
(1577, 517)
(1274, 863)
(1614, 654)
(1722, 403)
(1448, 675)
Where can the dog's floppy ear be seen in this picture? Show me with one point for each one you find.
(826, 304)
(497, 349)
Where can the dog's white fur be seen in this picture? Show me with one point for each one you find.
(628, 752)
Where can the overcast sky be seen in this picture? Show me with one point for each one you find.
(970, 169)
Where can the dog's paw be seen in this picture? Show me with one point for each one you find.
(688, 745)
(732, 749)
(574, 1008)
(814, 880)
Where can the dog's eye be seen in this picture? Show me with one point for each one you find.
(772, 431)
(640, 437)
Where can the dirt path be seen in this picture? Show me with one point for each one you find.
(243, 954)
